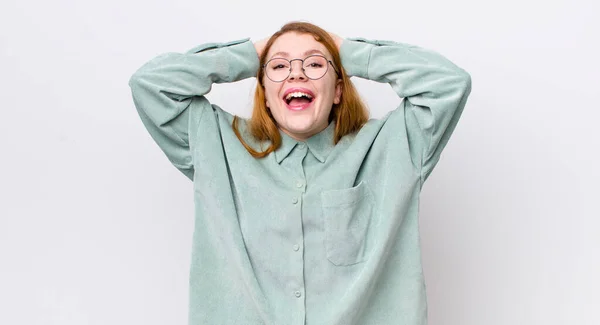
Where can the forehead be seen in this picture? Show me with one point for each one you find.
(296, 45)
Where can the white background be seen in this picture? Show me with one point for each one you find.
(96, 225)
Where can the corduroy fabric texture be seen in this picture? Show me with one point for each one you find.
(313, 233)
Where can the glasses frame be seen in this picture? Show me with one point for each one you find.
(303, 70)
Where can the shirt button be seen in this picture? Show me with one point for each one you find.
(299, 184)
(296, 247)
(301, 146)
(297, 294)
(295, 200)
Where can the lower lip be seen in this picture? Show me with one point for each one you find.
(298, 107)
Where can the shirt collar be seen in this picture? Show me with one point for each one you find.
(320, 144)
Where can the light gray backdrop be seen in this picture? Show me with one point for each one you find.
(96, 226)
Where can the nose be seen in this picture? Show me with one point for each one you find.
(297, 73)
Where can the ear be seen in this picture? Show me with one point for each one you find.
(338, 92)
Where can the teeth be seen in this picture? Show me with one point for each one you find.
(297, 94)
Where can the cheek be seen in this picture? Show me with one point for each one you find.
(330, 91)
(271, 95)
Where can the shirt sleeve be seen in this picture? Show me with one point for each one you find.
(168, 92)
(434, 89)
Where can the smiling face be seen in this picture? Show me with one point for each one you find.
(300, 105)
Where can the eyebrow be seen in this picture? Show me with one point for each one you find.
(309, 52)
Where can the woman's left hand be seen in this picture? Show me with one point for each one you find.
(337, 39)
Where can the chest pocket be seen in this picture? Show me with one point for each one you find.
(348, 222)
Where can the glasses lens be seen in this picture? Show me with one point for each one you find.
(278, 69)
(315, 67)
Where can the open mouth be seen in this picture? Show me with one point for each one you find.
(298, 100)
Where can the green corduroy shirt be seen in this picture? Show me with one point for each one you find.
(314, 233)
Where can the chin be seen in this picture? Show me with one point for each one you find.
(304, 129)
(300, 129)
(300, 123)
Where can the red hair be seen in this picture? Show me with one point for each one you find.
(350, 114)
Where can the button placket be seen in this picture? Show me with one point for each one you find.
(297, 185)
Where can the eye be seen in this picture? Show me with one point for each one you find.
(278, 64)
(315, 62)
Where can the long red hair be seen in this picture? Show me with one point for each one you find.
(350, 114)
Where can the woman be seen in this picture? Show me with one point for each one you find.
(307, 213)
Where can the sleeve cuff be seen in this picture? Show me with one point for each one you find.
(241, 57)
(355, 54)
(212, 46)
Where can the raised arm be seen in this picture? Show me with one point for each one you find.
(168, 92)
(434, 89)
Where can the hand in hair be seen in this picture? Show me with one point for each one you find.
(337, 39)
(260, 45)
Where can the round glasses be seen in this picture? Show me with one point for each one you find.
(314, 67)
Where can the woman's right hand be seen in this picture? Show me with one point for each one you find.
(260, 46)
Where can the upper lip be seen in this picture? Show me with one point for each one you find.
(297, 89)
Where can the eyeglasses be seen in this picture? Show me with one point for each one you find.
(314, 67)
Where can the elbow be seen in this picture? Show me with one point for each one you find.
(140, 82)
(464, 81)
(136, 79)
(151, 68)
